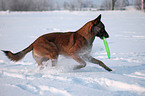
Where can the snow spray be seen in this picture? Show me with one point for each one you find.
(106, 47)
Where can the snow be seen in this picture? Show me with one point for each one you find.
(126, 42)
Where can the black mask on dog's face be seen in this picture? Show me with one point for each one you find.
(99, 29)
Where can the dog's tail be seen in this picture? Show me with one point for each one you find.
(17, 56)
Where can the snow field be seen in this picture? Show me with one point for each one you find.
(126, 42)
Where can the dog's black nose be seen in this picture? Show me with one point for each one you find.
(106, 35)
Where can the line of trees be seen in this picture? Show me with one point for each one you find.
(26, 5)
(46, 5)
(121, 4)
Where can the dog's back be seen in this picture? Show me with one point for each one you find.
(63, 41)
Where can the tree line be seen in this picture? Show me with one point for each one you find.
(139, 4)
(44, 5)
(47, 5)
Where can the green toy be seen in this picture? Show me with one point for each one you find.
(106, 47)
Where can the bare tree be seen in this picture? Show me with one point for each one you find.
(143, 5)
(56, 6)
(106, 5)
(121, 4)
(112, 4)
(66, 5)
(79, 4)
(2, 4)
(140, 4)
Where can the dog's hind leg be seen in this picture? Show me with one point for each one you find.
(95, 61)
(40, 60)
(44, 50)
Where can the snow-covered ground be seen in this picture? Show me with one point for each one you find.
(126, 42)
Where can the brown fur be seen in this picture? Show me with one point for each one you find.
(77, 44)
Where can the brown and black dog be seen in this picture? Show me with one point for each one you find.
(77, 44)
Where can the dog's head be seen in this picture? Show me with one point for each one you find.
(98, 28)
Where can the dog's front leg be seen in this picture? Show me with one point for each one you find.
(95, 61)
(79, 60)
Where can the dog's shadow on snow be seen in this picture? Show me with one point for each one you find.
(88, 69)
(115, 70)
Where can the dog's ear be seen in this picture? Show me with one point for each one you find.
(97, 20)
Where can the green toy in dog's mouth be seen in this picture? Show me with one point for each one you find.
(106, 47)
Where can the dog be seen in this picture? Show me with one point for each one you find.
(77, 45)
